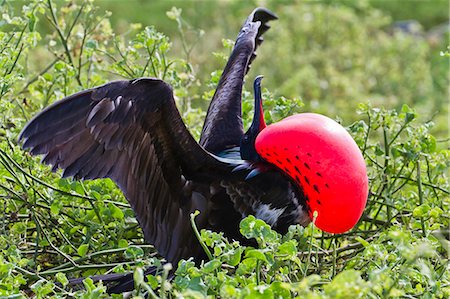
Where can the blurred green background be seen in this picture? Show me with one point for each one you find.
(331, 54)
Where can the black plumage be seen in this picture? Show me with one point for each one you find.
(223, 123)
(132, 132)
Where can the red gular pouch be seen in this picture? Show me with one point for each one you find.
(324, 160)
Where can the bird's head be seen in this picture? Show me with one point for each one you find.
(247, 148)
(320, 157)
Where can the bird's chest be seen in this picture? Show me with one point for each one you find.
(278, 205)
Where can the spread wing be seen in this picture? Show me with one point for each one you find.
(131, 132)
(223, 123)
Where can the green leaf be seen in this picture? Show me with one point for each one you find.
(288, 248)
(5, 270)
(31, 22)
(436, 212)
(59, 66)
(19, 228)
(55, 207)
(280, 289)
(347, 284)
(115, 211)
(133, 252)
(83, 249)
(123, 243)
(95, 195)
(235, 257)
(247, 266)
(138, 276)
(257, 254)
(211, 265)
(421, 211)
(77, 187)
(362, 241)
(89, 284)
(260, 292)
(61, 277)
(152, 281)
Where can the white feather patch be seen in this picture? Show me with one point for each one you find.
(268, 214)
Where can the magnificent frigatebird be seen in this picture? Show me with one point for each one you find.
(132, 132)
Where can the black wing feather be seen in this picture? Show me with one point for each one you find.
(223, 123)
(131, 132)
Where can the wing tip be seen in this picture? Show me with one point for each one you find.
(24, 134)
(267, 14)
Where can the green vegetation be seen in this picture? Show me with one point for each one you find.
(54, 229)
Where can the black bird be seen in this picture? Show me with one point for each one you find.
(132, 132)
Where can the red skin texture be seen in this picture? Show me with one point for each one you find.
(321, 156)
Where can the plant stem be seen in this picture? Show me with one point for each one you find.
(258, 272)
(426, 184)
(197, 234)
(38, 223)
(420, 191)
(42, 182)
(333, 273)
(385, 171)
(92, 255)
(54, 23)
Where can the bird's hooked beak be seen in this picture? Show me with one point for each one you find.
(248, 151)
(258, 118)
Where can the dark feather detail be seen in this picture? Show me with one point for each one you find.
(99, 112)
(131, 132)
(223, 123)
(252, 174)
(240, 167)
